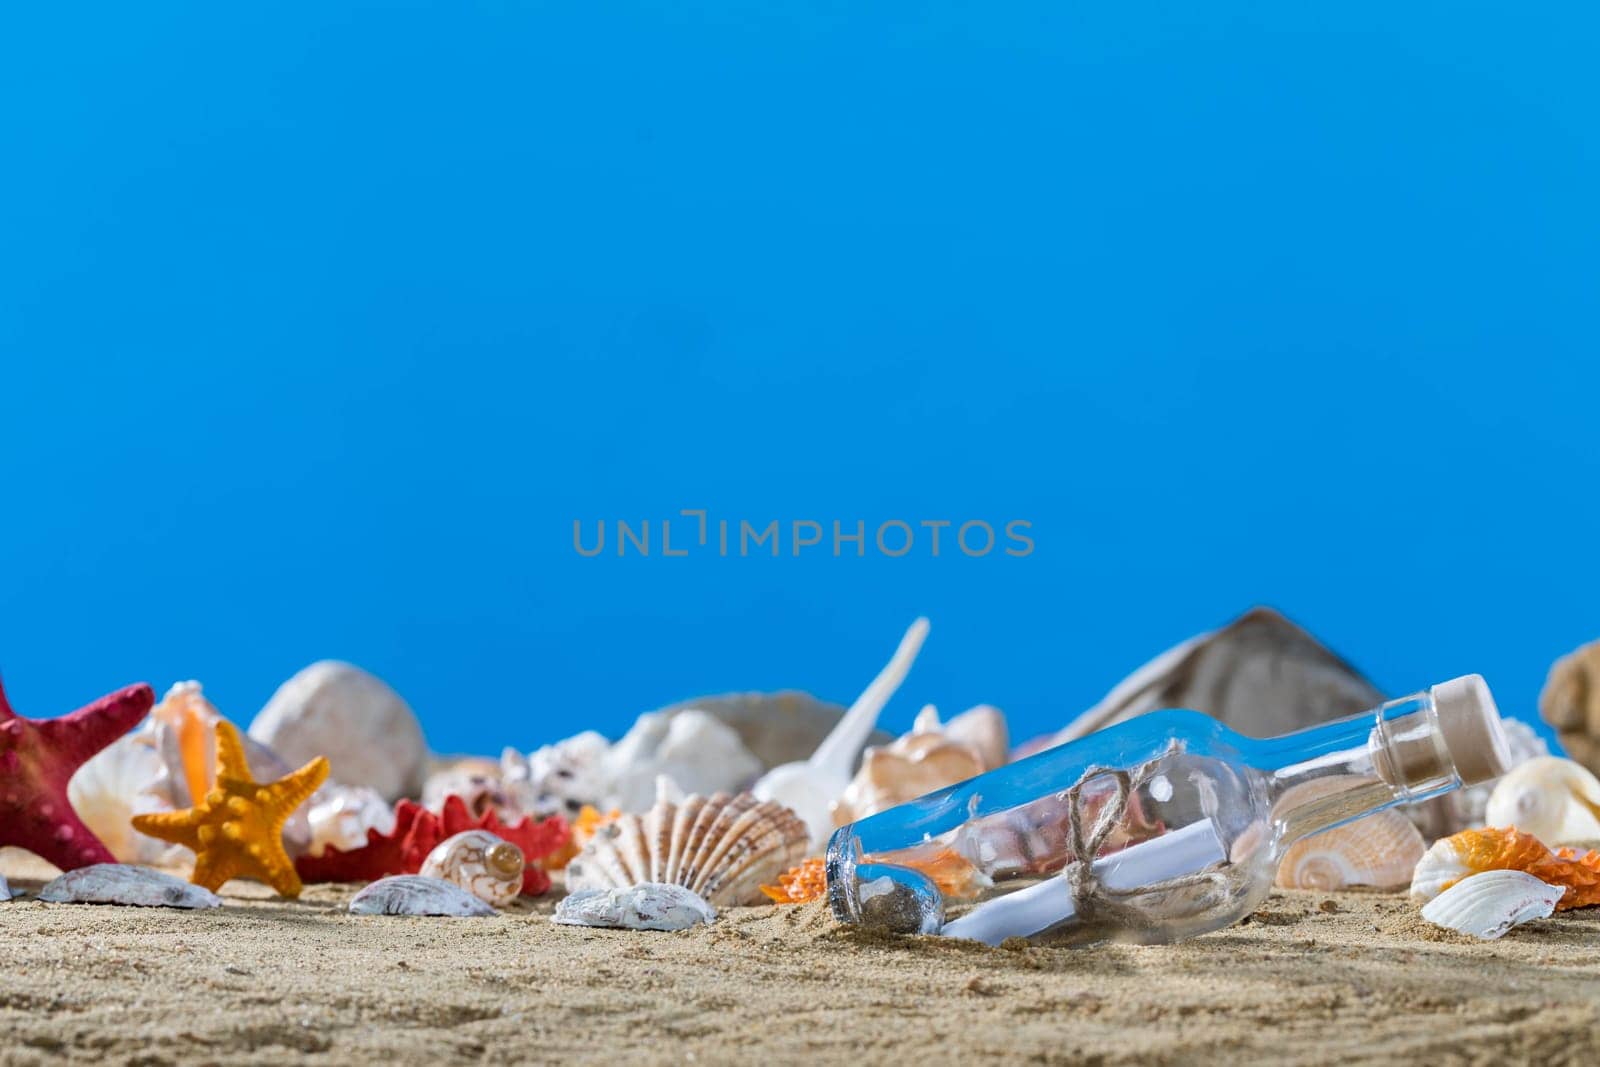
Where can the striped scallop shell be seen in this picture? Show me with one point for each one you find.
(721, 847)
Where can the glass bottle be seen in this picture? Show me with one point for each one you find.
(1183, 821)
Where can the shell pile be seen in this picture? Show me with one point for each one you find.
(721, 847)
(932, 756)
(118, 883)
(488, 867)
(1555, 800)
(1379, 850)
(414, 894)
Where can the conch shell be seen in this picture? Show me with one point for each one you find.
(1488, 904)
(932, 756)
(1379, 850)
(724, 848)
(1471, 852)
(1555, 800)
(488, 867)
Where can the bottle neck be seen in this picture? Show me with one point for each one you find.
(1342, 770)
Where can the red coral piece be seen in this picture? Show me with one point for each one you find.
(417, 830)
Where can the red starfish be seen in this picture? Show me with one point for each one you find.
(39, 756)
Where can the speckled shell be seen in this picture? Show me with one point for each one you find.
(118, 883)
(1380, 850)
(414, 894)
(722, 847)
(1488, 904)
(484, 865)
(366, 731)
(647, 906)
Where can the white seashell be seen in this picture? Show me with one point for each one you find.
(366, 731)
(722, 847)
(558, 779)
(1438, 867)
(646, 906)
(1380, 850)
(1555, 800)
(811, 787)
(1488, 904)
(777, 728)
(692, 748)
(119, 883)
(486, 866)
(414, 894)
(113, 787)
(932, 756)
(341, 815)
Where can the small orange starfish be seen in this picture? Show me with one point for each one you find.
(237, 830)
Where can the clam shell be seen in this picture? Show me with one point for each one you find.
(646, 906)
(1380, 850)
(368, 734)
(1555, 800)
(415, 894)
(722, 847)
(483, 864)
(119, 883)
(1488, 904)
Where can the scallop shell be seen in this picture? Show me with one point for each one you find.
(722, 847)
(1380, 850)
(117, 784)
(487, 866)
(1555, 800)
(1488, 904)
(366, 731)
(646, 906)
(118, 883)
(932, 756)
(415, 894)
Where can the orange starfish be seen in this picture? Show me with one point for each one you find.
(237, 830)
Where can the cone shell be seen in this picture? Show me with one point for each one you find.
(1487, 905)
(1555, 800)
(721, 847)
(1379, 850)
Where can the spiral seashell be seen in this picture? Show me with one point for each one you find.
(1554, 799)
(722, 847)
(412, 894)
(1487, 905)
(488, 867)
(1380, 850)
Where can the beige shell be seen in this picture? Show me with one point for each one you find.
(1379, 850)
(931, 756)
(722, 847)
(484, 865)
(1571, 703)
(1555, 800)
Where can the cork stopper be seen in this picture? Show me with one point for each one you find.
(1470, 724)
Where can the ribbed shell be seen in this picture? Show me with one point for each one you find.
(1380, 850)
(721, 847)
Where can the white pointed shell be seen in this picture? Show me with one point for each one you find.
(722, 847)
(1380, 850)
(1488, 904)
(414, 894)
(341, 815)
(487, 866)
(118, 883)
(366, 731)
(1555, 800)
(647, 906)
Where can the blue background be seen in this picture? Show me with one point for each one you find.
(322, 323)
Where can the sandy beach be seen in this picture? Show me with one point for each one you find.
(1310, 978)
